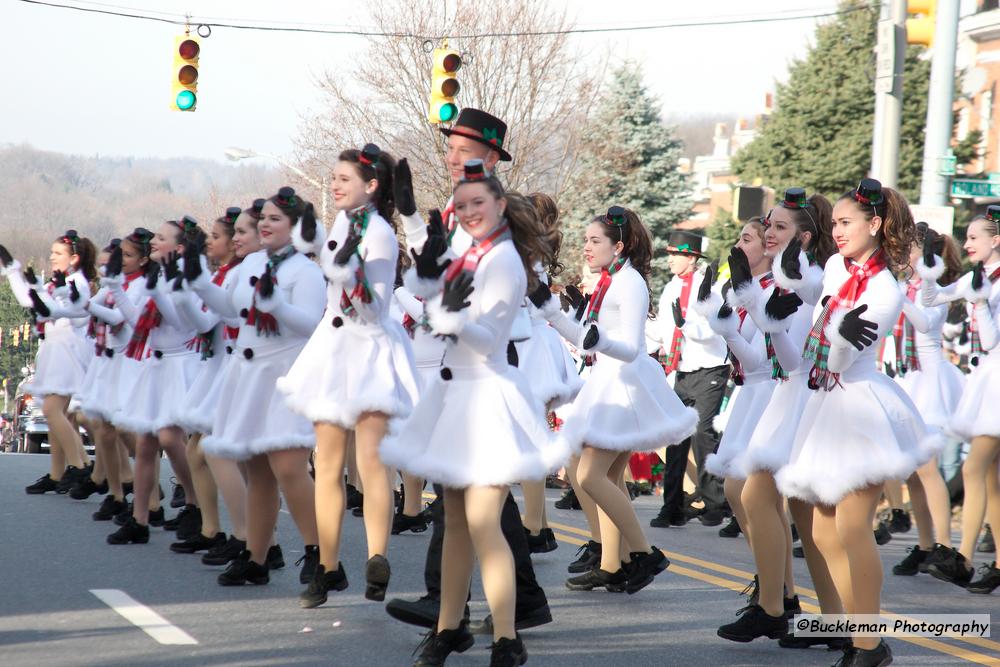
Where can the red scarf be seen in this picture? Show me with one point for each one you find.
(148, 320)
(450, 220)
(905, 335)
(230, 333)
(597, 298)
(817, 344)
(97, 328)
(470, 258)
(977, 346)
(673, 358)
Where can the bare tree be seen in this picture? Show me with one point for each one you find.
(535, 82)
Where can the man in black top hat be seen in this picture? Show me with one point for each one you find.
(475, 135)
(696, 356)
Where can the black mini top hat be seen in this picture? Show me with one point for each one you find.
(475, 170)
(795, 198)
(482, 127)
(681, 242)
(869, 192)
(993, 213)
(232, 213)
(258, 205)
(369, 155)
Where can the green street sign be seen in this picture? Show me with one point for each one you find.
(967, 188)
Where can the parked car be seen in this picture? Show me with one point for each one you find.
(31, 428)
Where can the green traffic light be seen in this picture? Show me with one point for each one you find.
(448, 112)
(186, 100)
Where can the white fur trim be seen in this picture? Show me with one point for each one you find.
(202, 281)
(728, 327)
(270, 304)
(112, 282)
(444, 321)
(242, 451)
(11, 268)
(342, 275)
(833, 329)
(710, 306)
(423, 288)
(550, 308)
(412, 224)
(744, 297)
(931, 274)
(61, 292)
(649, 439)
(980, 295)
(304, 246)
(768, 324)
(344, 415)
(792, 284)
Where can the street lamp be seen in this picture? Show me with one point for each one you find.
(236, 154)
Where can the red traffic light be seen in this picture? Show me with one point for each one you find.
(188, 49)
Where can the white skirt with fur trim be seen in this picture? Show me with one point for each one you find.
(743, 415)
(345, 371)
(936, 390)
(252, 417)
(60, 364)
(196, 411)
(977, 412)
(626, 407)
(161, 383)
(773, 437)
(479, 428)
(864, 433)
(545, 360)
(110, 388)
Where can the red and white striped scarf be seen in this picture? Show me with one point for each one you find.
(470, 258)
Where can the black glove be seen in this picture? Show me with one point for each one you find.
(266, 284)
(426, 263)
(592, 338)
(678, 315)
(114, 266)
(38, 305)
(978, 274)
(825, 299)
(705, 289)
(402, 189)
(5, 257)
(349, 247)
(963, 338)
(540, 295)
(782, 306)
(192, 263)
(928, 251)
(889, 370)
(307, 224)
(574, 295)
(179, 282)
(790, 259)
(859, 332)
(456, 292)
(59, 279)
(152, 275)
(170, 267)
(739, 269)
(29, 276)
(725, 311)
(74, 293)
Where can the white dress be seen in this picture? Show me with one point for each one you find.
(865, 430)
(252, 417)
(476, 423)
(63, 354)
(976, 412)
(355, 365)
(169, 365)
(625, 403)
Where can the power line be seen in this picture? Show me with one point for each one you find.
(183, 21)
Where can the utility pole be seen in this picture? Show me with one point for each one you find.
(940, 96)
(890, 57)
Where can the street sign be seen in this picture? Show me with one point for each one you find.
(947, 164)
(940, 218)
(967, 188)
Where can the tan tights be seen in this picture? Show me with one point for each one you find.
(233, 487)
(534, 505)
(331, 451)
(770, 541)
(600, 472)
(844, 536)
(204, 486)
(830, 601)
(931, 505)
(893, 489)
(733, 488)
(64, 438)
(413, 488)
(287, 469)
(472, 529)
(108, 454)
(587, 503)
(171, 441)
(979, 476)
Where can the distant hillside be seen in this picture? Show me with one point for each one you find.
(45, 193)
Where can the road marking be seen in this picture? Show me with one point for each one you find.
(143, 617)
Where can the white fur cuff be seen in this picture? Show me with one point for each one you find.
(744, 297)
(808, 273)
(423, 288)
(412, 224)
(930, 274)
(13, 267)
(304, 246)
(708, 308)
(728, 327)
(980, 295)
(833, 330)
(443, 321)
(551, 308)
(342, 275)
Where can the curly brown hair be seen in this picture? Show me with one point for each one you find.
(548, 216)
(897, 232)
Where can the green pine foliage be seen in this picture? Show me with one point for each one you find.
(628, 157)
(820, 134)
(13, 359)
(722, 233)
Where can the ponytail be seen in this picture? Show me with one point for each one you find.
(374, 164)
(548, 218)
(527, 232)
(87, 252)
(897, 231)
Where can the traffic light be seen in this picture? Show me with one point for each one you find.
(920, 29)
(185, 83)
(444, 86)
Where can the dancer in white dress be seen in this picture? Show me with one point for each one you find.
(63, 354)
(476, 429)
(625, 404)
(878, 432)
(976, 418)
(278, 293)
(357, 372)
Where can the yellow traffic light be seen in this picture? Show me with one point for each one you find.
(444, 86)
(920, 29)
(185, 73)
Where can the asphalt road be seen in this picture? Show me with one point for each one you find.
(53, 555)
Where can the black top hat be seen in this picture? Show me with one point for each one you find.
(369, 155)
(475, 170)
(993, 213)
(869, 192)
(482, 127)
(232, 213)
(683, 242)
(795, 198)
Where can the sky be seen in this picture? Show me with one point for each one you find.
(100, 85)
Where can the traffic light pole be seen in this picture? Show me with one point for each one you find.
(940, 97)
(891, 56)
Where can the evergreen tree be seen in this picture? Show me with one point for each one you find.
(820, 134)
(722, 233)
(628, 157)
